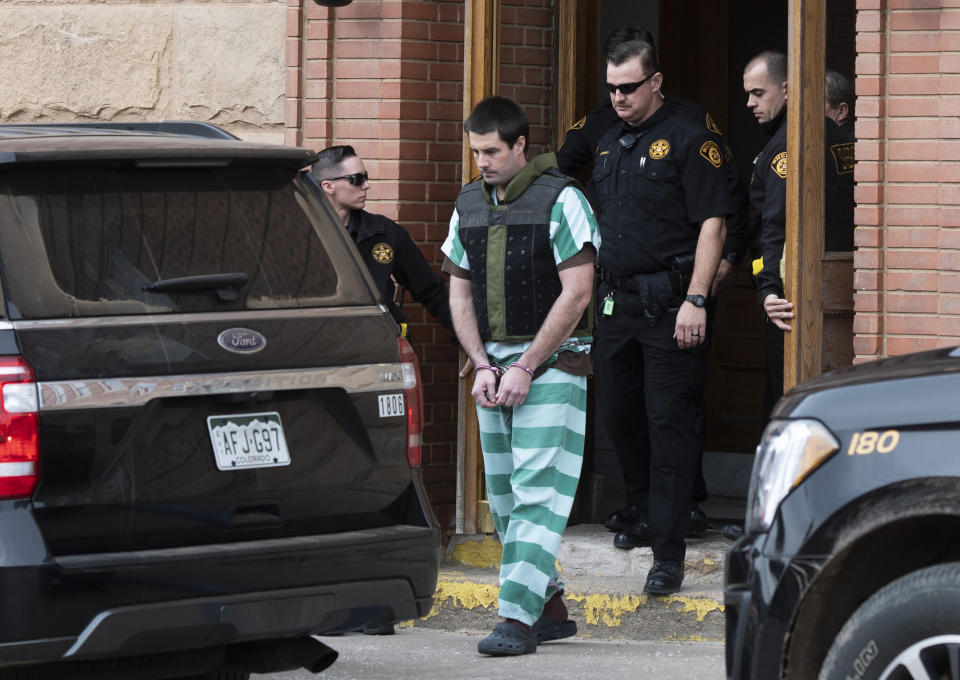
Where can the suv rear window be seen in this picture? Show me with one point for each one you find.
(90, 241)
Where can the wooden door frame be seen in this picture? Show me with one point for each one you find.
(576, 23)
(803, 249)
(481, 78)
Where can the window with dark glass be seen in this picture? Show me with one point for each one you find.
(81, 242)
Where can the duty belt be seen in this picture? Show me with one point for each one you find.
(637, 283)
(656, 293)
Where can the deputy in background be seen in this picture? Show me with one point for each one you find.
(765, 83)
(839, 97)
(392, 257)
(839, 162)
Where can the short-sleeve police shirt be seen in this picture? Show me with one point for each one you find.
(656, 183)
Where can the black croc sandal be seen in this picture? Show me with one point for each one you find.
(508, 639)
(546, 629)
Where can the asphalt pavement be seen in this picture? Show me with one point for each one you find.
(623, 633)
(452, 655)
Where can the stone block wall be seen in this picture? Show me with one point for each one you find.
(387, 78)
(907, 279)
(128, 60)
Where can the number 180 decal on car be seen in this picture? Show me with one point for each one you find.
(251, 440)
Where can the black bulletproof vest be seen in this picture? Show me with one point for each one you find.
(514, 276)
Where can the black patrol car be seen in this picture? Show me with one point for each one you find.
(850, 565)
(209, 427)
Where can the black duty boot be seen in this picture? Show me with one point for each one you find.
(665, 577)
(618, 520)
(633, 537)
(698, 522)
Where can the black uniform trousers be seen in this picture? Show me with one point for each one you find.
(650, 403)
(773, 387)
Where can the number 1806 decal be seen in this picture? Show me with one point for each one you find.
(391, 405)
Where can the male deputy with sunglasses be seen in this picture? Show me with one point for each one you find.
(576, 153)
(663, 198)
(386, 247)
(580, 145)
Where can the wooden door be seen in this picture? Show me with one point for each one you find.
(820, 283)
(702, 55)
(481, 77)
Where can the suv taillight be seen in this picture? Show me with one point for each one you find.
(19, 452)
(413, 396)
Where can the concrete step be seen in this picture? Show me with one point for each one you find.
(603, 588)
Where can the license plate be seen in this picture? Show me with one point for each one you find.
(251, 440)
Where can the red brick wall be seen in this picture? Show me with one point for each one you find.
(907, 280)
(387, 77)
(526, 65)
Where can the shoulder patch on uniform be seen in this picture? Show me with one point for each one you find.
(711, 152)
(779, 164)
(579, 124)
(382, 253)
(659, 149)
(843, 157)
(712, 126)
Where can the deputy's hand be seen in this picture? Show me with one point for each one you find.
(777, 310)
(723, 277)
(514, 387)
(467, 367)
(691, 327)
(485, 388)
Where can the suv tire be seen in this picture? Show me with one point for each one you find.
(916, 618)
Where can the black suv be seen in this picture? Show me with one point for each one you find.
(210, 429)
(850, 566)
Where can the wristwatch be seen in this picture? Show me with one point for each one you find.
(697, 300)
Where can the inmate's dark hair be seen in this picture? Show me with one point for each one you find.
(776, 63)
(501, 115)
(839, 90)
(329, 160)
(628, 42)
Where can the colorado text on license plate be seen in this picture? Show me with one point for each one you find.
(251, 440)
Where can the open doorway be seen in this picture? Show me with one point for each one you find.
(703, 48)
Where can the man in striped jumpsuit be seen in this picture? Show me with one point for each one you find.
(520, 252)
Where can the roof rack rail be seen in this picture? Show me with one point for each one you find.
(177, 127)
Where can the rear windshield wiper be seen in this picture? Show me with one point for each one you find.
(225, 284)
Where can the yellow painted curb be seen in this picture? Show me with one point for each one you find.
(608, 609)
(465, 594)
(598, 609)
(484, 553)
(701, 606)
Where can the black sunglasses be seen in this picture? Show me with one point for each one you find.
(628, 88)
(357, 179)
